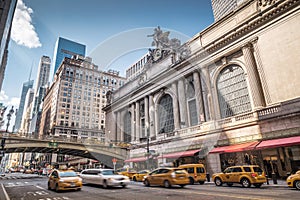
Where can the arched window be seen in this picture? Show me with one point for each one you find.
(232, 91)
(127, 127)
(165, 113)
(191, 100)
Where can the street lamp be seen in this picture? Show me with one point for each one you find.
(10, 113)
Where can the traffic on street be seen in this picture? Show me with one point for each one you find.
(35, 188)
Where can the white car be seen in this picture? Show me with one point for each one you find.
(104, 177)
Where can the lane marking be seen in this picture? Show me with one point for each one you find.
(221, 195)
(40, 187)
(5, 193)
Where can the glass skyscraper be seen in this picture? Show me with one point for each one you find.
(26, 86)
(6, 16)
(66, 48)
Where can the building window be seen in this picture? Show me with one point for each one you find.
(165, 113)
(192, 101)
(232, 92)
(127, 127)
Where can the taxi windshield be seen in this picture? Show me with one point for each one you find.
(67, 174)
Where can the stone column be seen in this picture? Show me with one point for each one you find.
(211, 109)
(118, 126)
(122, 113)
(182, 104)
(137, 121)
(146, 102)
(199, 97)
(175, 106)
(254, 80)
(132, 123)
(261, 71)
(151, 116)
(113, 132)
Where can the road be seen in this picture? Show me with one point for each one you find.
(36, 189)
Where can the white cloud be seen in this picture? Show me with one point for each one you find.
(7, 101)
(23, 32)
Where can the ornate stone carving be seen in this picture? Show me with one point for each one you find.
(165, 46)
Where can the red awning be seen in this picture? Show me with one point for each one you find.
(140, 159)
(235, 148)
(283, 142)
(180, 154)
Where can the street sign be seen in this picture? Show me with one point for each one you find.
(53, 144)
(114, 160)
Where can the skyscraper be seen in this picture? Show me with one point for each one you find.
(6, 16)
(223, 7)
(66, 48)
(42, 81)
(26, 86)
(40, 89)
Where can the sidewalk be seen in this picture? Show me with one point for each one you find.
(19, 176)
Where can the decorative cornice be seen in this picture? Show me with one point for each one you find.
(276, 9)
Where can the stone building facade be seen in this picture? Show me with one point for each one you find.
(72, 107)
(233, 100)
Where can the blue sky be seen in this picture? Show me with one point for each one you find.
(103, 26)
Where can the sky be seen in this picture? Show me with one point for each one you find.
(114, 32)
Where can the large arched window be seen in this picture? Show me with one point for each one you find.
(232, 91)
(165, 114)
(191, 100)
(127, 127)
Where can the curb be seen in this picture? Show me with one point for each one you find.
(281, 185)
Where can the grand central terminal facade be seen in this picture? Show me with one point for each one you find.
(230, 95)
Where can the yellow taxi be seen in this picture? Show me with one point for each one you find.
(197, 172)
(245, 175)
(64, 180)
(167, 177)
(126, 171)
(139, 176)
(293, 180)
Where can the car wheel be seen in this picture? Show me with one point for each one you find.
(124, 186)
(167, 184)
(257, 185)
(230, 184)
(134, 178)
(201, 182)
(297, 185)
(218, 182)
(49, 187)
(105, 184)
(146, 183)
(245, 183)
(56, 188)
(191, 181)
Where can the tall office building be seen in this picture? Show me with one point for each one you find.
(72, 107)
(223, 7)
(7, 10)
(66, 48)
(26, 86)
(42, 81)
(40, 89)
(26, 118)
